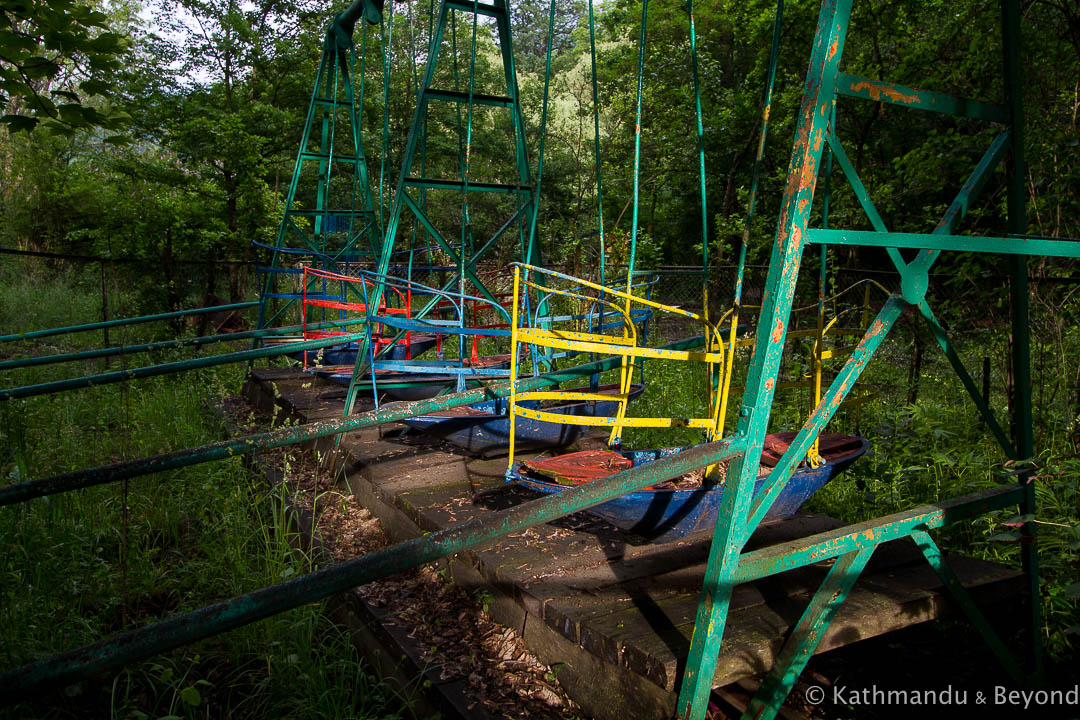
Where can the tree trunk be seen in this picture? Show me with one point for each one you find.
(172, 293)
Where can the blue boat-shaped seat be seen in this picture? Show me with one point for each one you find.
(667, 512)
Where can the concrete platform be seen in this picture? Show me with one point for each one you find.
(613, 614)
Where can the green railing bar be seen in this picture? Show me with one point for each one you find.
(78, 479)
(170, 368)
(780, 558)
(964, 243)
(879, 91)
(168, 344)
(180, 630)
(34, 334)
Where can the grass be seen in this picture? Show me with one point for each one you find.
(80, 566)
(77, 567)
(931, 450)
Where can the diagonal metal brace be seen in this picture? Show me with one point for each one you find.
(933, 555)
(808, 634)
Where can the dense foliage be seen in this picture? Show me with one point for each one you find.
(167, 131)
(217, 93)
(54, 57)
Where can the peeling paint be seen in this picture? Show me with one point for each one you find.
(891, 93)
(778, 331)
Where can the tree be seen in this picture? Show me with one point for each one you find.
(58, 59)
(530, 27)
(224, 90)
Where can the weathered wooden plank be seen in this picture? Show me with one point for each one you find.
(620, 605)
(878, 604)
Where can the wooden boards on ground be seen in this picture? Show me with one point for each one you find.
(596, 602)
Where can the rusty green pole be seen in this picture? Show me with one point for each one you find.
(761, 382)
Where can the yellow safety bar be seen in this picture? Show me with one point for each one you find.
(824, 328)
(717, 357)
(624, 345)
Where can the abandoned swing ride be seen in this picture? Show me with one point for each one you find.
(363, 287)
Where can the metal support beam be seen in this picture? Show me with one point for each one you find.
(1023, 426)
(35, 334)
(801, 552)
(965, 379)
(811, 128)
(120, 650)
(297, 434)
(934, 556)
(966, 243)
(170, 368)
(808, 633)
(886, 92)
(168, 344)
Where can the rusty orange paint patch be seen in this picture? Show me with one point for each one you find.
(796, 235)
(778, 331)
(769, 384)
(888, 92)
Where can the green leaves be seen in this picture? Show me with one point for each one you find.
(38, 67)
(19, 123)
(48, 49)
(191, 696)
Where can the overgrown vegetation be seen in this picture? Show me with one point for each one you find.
(189, 158)
(84, 565)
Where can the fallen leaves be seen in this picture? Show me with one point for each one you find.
(452, 629)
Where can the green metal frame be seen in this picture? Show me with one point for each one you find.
(743, 509)
(466, 256)
(333, 93)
